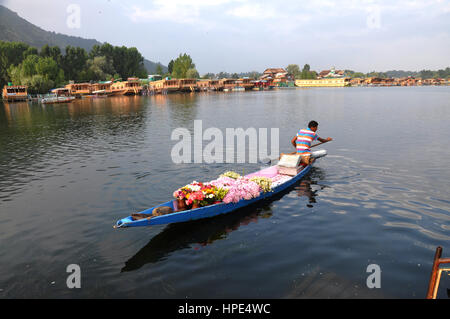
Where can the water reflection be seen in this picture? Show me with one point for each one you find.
(206, 231)
(37, 140)
(183, 109)
(304, 188)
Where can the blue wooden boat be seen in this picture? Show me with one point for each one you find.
(206, 211)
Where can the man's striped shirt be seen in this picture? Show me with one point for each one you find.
(304, 139)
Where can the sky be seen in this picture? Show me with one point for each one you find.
(250, 35)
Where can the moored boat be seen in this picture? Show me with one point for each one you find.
(178, 216)
(79, 89)
(131, 86)
(13, 93)
(102, 88)
(57, 99)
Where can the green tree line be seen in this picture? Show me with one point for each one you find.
(44, 69)
(424, 74)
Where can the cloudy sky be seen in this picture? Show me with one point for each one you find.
(246, 35)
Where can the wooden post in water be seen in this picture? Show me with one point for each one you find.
(436, 273)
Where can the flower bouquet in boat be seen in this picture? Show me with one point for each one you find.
(230, 191)
(229, 187)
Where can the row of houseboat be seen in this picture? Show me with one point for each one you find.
(132, 86)
(168, 85)
(271, 78)
(404, 81)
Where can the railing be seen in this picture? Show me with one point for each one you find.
(436, 273)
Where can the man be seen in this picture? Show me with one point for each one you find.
(302, 142)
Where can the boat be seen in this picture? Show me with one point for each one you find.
(227, 84)
(12, 93)
(166, 85)
(187, 85)
(102, 89)
(131, 86)
(79, 89)
(215, 209)
(57, 99)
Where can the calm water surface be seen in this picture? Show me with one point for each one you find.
(68, 172)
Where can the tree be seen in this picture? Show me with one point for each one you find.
(159, 69)
(74, 62)
(181, 65)
(30, 51)
(170, 66)
(254, 74)
(192, 73)
(99, 68)
(307, 73)
(294, 70)
(426, 74)
(127, 62)
(11, 54)
(38, 73)
(49, 69)
(209, 76)
(51, 52)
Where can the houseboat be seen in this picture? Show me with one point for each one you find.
(13, 93)
(102, 88)
(131, 86)
(204, 85)
(247, 83)
(79, 89)
(327, 82)
(227, 84)
(166, 85)
(215, 85)
(187, 85)
(61, 92)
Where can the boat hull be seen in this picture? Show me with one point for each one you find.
(207, 211)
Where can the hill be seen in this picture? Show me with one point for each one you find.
(15, 28)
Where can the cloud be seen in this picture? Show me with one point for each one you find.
(176, 11)
(254, 11)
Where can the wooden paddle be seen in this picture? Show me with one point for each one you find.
(268, 160)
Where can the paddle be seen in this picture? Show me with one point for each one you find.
(269, 160)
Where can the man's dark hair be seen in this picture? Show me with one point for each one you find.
(313, 124)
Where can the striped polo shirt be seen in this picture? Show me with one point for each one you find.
(304, 139)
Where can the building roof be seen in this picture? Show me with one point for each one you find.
(274, 70)
(331, 73)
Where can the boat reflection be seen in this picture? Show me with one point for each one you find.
(304, 187)
(206, 231)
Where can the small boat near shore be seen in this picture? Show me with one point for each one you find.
(147, 219)
(57, 99)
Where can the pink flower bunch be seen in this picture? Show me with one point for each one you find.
(279, 179)
(223, 182)
(242, 188)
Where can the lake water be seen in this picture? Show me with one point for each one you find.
(68, 172)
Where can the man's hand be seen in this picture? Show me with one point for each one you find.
(324, 140)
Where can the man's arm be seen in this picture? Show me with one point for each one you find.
(324, 140)
(293, 141)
